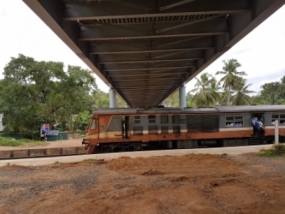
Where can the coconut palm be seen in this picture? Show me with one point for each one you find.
(206, 91)
(241, 96)
(231, 76)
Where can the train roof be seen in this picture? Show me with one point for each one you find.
(263, 108)
(216, 109)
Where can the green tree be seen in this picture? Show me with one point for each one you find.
(172, 100)
(33, 93)
(270, 92)
(282, 87)
(189, 100)
(241, 96)
(82, 120)
(206, 91)
(100, 99)
(231, 76)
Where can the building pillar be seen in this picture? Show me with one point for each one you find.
(182, 96)
(112, 98)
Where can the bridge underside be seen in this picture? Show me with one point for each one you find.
(146, 49)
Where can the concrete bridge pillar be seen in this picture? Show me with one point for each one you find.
(182, 96)
(112, 98)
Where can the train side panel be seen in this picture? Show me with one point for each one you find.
(185, 131)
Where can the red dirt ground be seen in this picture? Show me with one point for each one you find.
(157, 185)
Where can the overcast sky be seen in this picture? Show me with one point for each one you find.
(261, 53)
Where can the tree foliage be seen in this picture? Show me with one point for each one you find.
(33, 93)
(206, 91)
(241, 95)
(231, 76)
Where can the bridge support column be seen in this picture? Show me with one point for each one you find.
(112, 98)
(182, 96)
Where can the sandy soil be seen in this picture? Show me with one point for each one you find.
(194, 183)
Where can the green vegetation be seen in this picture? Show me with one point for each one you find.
(56, 163)
(206, 89)
(5, 141)
(36, 92)
(231, 89)
(88, 160)
(274, 151)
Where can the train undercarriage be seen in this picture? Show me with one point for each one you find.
(180, 144)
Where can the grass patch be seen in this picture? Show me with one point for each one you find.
(7, 141)
(56, 163)
(274, 151)
(88, 160)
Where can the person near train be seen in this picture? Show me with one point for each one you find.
(254, 126)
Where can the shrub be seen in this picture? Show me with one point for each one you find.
(274, 151)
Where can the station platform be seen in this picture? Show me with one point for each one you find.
(56, 148)
(142, 154)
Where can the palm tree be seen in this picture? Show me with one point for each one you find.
(241, 96)
(206, 91)
(231, 76)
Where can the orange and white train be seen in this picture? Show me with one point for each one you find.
(114, 130)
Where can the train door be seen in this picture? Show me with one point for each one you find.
(257, 121)
(125, 127)
(258, 117)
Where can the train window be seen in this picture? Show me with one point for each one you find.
(137, 119)
(151, 119)
(164, 119)
(274, 117)
(234, 120)
(280, 117)
(93, 124)
(175, 119)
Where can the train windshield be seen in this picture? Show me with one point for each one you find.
(93, 124)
